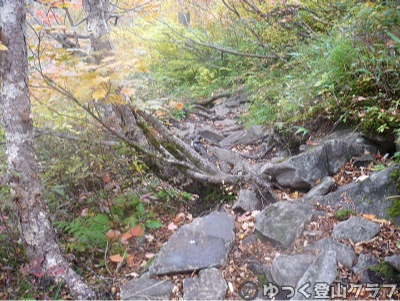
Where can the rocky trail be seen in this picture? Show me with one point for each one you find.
(317, 232)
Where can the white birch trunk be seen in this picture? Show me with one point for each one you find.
(36, 230)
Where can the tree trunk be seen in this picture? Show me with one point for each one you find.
(36, 230)
(96, 12)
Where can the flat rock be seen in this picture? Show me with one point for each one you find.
(210, 285)
(248, 201)
(394, 261)
(204, 243)
(283, 222)
(146, 289)
(225, 155)
(344, 254)
(364, 262)
(322, 270)
(357, 229)
(288, 269)
(245, 137)
(227, 122)
(326, 185)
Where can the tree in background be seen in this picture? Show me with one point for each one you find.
(37, 233)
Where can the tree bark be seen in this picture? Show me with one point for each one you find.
(96, 12)
(36, 230)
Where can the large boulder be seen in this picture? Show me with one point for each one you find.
(204, 243)
(369, 196)
(283, 222)
(302, 171)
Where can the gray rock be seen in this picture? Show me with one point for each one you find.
(363, 160)
(234, 139)
(357, 229)
(228, 122)
(146, 289)
(210, 285)
(338, 152)
(232, 103)
(322, 270)
(369, 196)
(283, 222)
(257, 268)
(204, 243)
(344, 254)
(241, 167)
(325, 186)
(225, 155)
(394, 261)
(301, 171)
(225, 167)
(288, 269)
(252, 239)
(248, 201)
(208, 133)
(364, 262)
(221, 111)
(245, 137)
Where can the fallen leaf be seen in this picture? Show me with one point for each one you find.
(361, 178)
(372, 217)
(2, 47)
(149, 255)
(126, 236)
(149, 237)
(130, 261)
(179, 106)
(116, 258)
(137, 231)
(172, 226)
(309, 142)
(180, 217)
(113, 234)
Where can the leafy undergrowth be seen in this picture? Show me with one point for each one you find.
(125, 248)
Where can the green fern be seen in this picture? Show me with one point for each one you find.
(89, 232)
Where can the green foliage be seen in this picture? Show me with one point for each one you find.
(344, 214)
(394, 211)
(301, 130)
(88, 232)
(385, 270)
